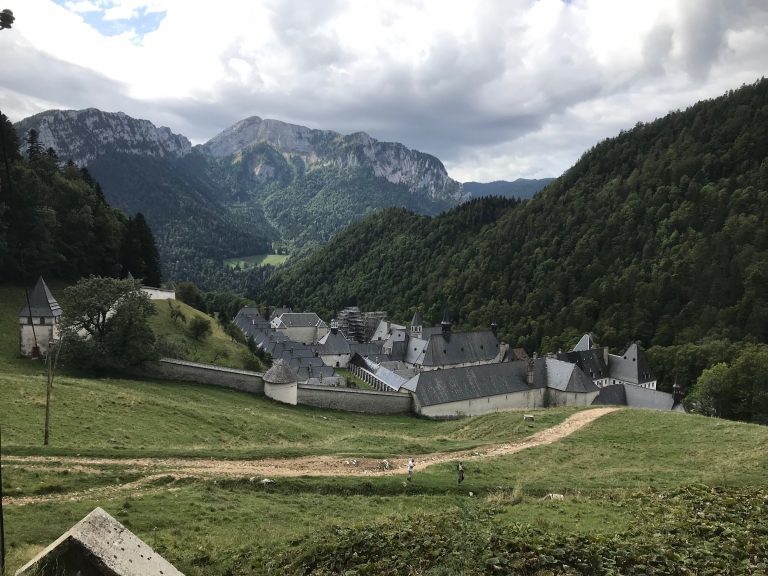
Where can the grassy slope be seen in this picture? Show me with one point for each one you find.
(613, 474)
(218, 348)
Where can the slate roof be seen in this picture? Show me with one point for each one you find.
(417, 320)
(280, 373)
(635, 397)
(414, 351)
(566, 377)
(298, 320)
(387, 377)
(278, 312)
(632, 366)
(590, 361)
(99, 544)
(455, 384)
(372, 349)
(460, 348)
(250, 325)
(586, 342)
(41, 301)
(333, 344)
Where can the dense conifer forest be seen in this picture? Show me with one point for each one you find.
(657, 235)
(55, 221)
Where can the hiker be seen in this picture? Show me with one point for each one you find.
(410, 469)
(460, 472)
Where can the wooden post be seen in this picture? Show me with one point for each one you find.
(2, 525)
(48, 393)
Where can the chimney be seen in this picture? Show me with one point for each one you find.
(530, 365)
(494, 328)
(334, 326)
(446, 323)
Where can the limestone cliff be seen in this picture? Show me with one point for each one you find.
(83, 135)
(422, 173)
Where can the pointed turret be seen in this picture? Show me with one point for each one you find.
(38, 320)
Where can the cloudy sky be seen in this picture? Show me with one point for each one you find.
(496, 89)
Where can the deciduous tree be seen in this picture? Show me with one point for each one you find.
(104, 324)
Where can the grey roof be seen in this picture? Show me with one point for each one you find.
(632, 366)
(398, 350)
(99, 544)
(612, 395)
(566, 377)
(41, 301)
(278, 312)
(417, 320)
(428, 331)
(586, 342)
(386, 376)
(367, 349)
(456, 384)
(299, 320)
(590, 361)
(333, 343)
(635, 397)
(460, 348)
(280, 373)
(414, 351)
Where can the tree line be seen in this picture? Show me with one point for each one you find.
(56, 222)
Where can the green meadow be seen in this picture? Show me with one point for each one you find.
(256, 260)
(642, 492)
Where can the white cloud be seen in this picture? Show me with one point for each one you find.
(497, 89)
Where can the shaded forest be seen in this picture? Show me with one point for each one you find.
(55, 221)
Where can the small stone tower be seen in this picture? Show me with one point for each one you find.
(38, 321)
(281, 383)
(416, 325)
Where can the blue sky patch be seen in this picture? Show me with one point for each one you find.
(141, 23)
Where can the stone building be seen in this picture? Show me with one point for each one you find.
(38, 321)
(98, 545)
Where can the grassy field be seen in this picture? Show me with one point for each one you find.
(217, 348)
(643, 492)
(256, 260)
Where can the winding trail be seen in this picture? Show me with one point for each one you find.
(156, 469)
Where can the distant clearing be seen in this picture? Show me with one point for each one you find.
(256, 260)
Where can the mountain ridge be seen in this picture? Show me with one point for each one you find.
(266, 179)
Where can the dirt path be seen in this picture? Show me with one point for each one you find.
(156, 468)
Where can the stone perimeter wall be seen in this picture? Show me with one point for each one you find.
(242, 380)
(351, 400)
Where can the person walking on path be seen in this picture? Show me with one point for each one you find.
(460, 472)
(410, 469)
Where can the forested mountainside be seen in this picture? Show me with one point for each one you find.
(256, 183)
(55, 221)
(521, 188)
(658, 235)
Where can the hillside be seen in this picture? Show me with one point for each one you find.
(655, 235)
(255, 183)
(522, 188)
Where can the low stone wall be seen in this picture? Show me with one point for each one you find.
(352, 400)
(242, 380)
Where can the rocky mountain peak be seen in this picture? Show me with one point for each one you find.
(287, 138)
(83, 135)
(420, 172)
